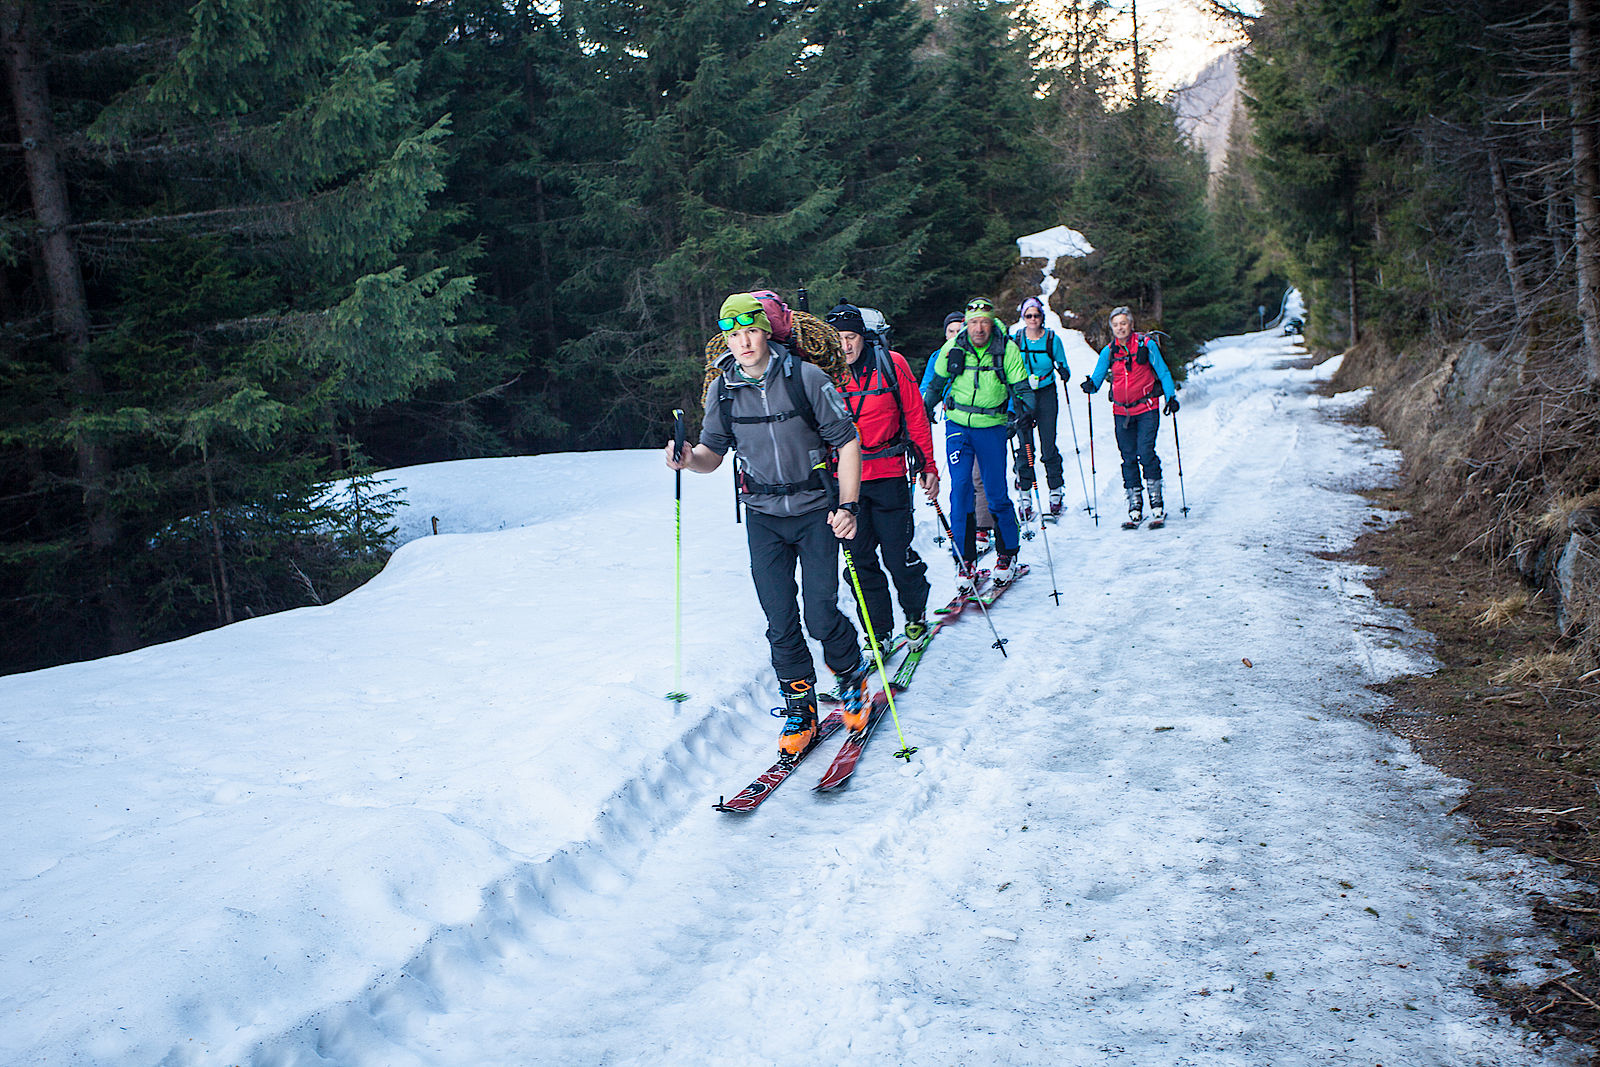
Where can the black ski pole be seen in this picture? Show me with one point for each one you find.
(1183, 496)
(1066, 393)
(1022, 527)
(999, 642)
(1094, 480)
(1049, 558)
(677, 693)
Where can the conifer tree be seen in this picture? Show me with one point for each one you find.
(1142, 204)
(992, 172)
(239, 184)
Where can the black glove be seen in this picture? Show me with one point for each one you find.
(1088, 385)
(1172, 406)
(1025, 423)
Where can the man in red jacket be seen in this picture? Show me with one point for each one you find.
(896, 446)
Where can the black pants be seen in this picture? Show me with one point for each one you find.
(777, 543)
(885, 522)
(1047, 412)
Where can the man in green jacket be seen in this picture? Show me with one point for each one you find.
(981, 378)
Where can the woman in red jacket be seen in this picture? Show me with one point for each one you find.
(896, 447)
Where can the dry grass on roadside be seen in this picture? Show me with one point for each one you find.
(1501, 611)
(1541, 669)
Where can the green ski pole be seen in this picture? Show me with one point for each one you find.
(877, 657)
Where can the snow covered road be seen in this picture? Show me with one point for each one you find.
(450, 820)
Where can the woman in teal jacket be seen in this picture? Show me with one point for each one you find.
(1043, 353)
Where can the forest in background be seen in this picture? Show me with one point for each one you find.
(252, 251)
(1430, 173)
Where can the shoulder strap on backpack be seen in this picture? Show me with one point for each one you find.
(797, 393)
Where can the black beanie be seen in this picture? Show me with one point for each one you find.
(847, 317)
(954, 316)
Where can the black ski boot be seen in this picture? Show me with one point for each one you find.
(1135, 509)
(1158, 510)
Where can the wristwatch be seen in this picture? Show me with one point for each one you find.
(852, 506)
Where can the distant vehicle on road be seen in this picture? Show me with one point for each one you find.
(1294, 326)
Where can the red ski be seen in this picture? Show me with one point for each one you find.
(844, 762)
(753, 794)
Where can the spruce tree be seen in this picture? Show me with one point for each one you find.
(241, 181)
(1141, 202)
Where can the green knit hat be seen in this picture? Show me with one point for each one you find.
(981, 307)
(742, 304)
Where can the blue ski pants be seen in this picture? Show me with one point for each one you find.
(985, 448)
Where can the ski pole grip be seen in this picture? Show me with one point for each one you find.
(829, 484)
(677, 434)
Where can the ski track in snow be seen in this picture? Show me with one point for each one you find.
(1116, 845)
(1085, 802)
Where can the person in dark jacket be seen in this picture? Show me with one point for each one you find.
(792, 417)
(1139, 379)
(883, 398)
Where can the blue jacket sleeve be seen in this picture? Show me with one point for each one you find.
(1102, 367)
(1160, 365)
(933, 386)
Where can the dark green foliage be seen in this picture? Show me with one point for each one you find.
(1141, 201)
(244, 180)
(320, 238)
(1419, 161)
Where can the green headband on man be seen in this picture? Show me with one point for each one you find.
(741, 310)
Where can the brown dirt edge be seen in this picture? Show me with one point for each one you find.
(1530, 754)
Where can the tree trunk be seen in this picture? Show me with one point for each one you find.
(30, 98)
(69, 306)
(1585, 180)
(1508, 232)
(1355, 303)
(216, 538)
(1138, 60)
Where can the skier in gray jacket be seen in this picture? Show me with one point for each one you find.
(785, 417)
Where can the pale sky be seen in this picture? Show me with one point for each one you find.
(1193, 38)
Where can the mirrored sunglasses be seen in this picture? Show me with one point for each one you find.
(744, 318)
